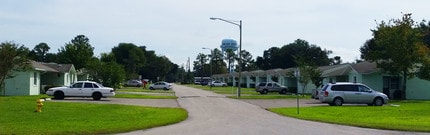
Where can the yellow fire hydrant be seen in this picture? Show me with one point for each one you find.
(39, 105)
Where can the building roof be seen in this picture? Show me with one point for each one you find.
(366, 67)
(52, 67)
(327, 71)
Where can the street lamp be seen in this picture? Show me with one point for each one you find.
(240, 49)
(210, 65)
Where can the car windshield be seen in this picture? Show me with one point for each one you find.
(100, 85)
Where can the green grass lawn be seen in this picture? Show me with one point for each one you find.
(246, 93)
(18, 117)
(409, 116)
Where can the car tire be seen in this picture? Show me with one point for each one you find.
(59, 95)
(263, 92)
(378, 102)
(166, 89)
(151, 88)
(283, 92)
(97, 96)
(338, 101)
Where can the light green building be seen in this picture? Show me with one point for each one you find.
(363, 72)
(33, 81)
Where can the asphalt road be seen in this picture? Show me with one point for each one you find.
(213, 114)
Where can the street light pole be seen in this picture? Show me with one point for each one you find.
(210, 65)
(240, 49)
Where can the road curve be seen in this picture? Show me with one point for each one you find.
(213, 114)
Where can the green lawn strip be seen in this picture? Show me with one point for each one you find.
(18, 117)
(409, 116)
(143, 96)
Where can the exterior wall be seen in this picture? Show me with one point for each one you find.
(417, 89)
(53, 79)
(24, 83)
(374, 81)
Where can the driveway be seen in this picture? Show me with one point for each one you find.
(214, 114)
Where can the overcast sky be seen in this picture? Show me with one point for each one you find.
(179, 29)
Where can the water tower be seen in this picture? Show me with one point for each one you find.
(227, 44)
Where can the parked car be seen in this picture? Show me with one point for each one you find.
(81, 89)
(265, 87)
(356, 93)
(217, 84)
(134, 83)
(160, 85)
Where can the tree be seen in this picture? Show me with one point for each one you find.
(131, 57)
(308, 72)
(77, 52)
(248, 63)
(284, 57)
(106, 71)
(199, 64)
(218, 64)
(12, 59)
(40, 52)
(230, 58)
(156, 67)
(397, 47)
(268, 60)
(336, 60)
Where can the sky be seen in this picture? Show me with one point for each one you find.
(179, 29)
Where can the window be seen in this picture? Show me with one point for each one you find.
(77, 85)
(35, 78)
(363, 88)
(262, 84)
(269, 84)
(88, 85)
(345, 88)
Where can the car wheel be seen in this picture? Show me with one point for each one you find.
(59, 95)
(264, 92)
(151, 88)
(165, 88)
(338, 101)
(97, 96)
(284, 91)
(378, 102)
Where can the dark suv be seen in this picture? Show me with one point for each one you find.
(265, 87)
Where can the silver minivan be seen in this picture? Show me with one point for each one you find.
(355, 93)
